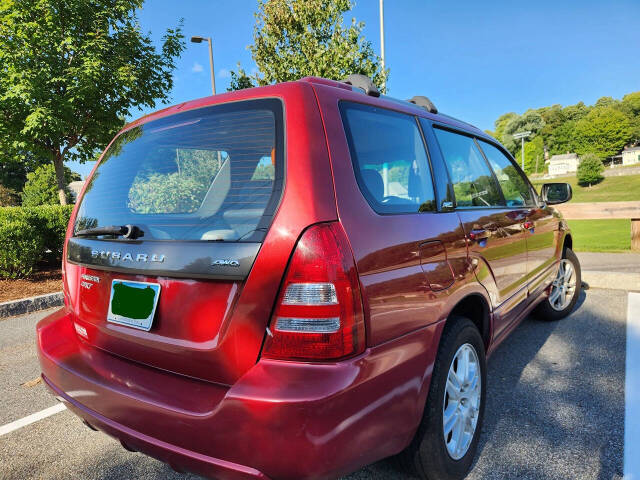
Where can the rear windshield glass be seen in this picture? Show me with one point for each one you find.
(213, 173)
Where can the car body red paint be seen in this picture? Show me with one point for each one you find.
(194, 390)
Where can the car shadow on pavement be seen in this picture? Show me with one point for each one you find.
(135, 466)
(555, 398)
(507, 363)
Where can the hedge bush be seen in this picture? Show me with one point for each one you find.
(54, 220)
(26, 233)
(41, 187)
(21, 249)
(590, 170)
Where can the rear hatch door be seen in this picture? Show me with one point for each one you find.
(167, 233)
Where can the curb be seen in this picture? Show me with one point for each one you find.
(612, 280)
(31, 304)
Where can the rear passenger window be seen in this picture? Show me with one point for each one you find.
(389, 159)
(514, 187)
(473, 182)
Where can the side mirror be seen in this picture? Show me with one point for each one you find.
(554, 193)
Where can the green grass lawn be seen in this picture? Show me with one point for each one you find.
(611, 235)
(611, 189)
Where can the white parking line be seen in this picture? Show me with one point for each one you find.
(632, 391)
(47, 412)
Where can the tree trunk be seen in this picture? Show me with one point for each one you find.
(59, 167)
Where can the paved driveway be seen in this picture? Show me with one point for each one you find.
(555, 407)
(610, 262)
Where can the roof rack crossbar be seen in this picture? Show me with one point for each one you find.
(362, 81)
(424, 102)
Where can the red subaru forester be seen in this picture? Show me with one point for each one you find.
(294, 281)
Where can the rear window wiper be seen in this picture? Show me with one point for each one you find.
(127, 231)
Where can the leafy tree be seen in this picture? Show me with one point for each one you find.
(530, 121)
(14, 169)
(500, 125)
(576, 112)
(590, 169)
(562, 139)
(534, 155)
(71, 70)
(299, 38)
(604, 131)
(606, 102)
(630, 105)
(553, 117)
(635, 130)
(239, 80)
(13, 173)
(42, 186)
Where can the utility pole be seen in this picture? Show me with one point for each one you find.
(522, 136)
(213, 77)
(384, 85)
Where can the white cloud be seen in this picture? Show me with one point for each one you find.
(197, 68)
(224, 73)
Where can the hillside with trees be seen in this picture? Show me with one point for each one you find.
(602, 129)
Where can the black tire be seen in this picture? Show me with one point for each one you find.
(427, 456)
(544, 311)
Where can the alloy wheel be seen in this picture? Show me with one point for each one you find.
(563, 287)
(461, 401)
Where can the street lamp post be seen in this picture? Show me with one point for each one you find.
(213, 77)
(522, 136)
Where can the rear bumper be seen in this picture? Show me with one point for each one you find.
(179, 458)
(279, 420)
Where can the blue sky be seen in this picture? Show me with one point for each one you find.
(475, 60)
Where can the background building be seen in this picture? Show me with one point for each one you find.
(631, 155)
(563, 164)
(75, 188)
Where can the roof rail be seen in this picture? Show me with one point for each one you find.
(362, 81)
(424, 102)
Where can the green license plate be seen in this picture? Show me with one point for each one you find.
(133, 303)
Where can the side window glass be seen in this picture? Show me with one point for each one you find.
(389, 159)
(514, 186)
(473, 182)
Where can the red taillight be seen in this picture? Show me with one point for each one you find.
(318, 314)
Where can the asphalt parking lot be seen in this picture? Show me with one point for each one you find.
(556, 407)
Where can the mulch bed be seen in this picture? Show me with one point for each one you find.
(48, 280)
